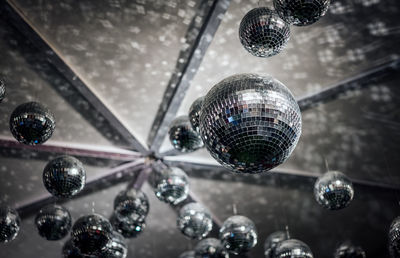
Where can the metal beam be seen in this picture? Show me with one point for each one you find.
(199, 36)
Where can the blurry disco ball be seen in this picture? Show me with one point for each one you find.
(238, 234)
(349, 251)
(183, 137)
(9, 224)
(116, 248)
(250, 123)
(210, 248)
(131, 204)
(127, 227)
(394, 238)
(91, 234)
(194, 113)
(272, 241)
(32, 123)
(301, 12)
(64, 176)
(71, 251)
(187, 254)
(263, 33)
(53, 222)
(172, 186)
(333, 190)
(194, 221)
(292, 248)
(2, 90)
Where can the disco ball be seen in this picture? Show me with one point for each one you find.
(32, 123)
(172, 186)
(194, 221)
(250, 123)
(53, 222)
(128, 227)
(64, 176)
(394, 238)
(71, 251)
(272, 241)
(2, 90)
(194, 113)
(292, 248)
(238, 234)
(187, 254)
(116, 248)
(91, 234)
(9, 224)
(210, 248)
(131, 204)
(333, 190)
(183, 137)
(263, 33)
(349, 251)
(301, 12)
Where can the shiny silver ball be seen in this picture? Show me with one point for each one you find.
(194, 113)
(183, 137)
(263, 33)
(9, 224)
(194, 221)
(301, 12)
(272, 241)
(91, 234)
(2, 90)
(127, 227)
(210, 248)
(53, 222)
(238, 234)
(131, 204)
(292, 248)
(32, 123)
(187, 254)
(347, 250)
(116, 248)
(172, 186)
(250, 123)
(64, 176)
(333, 190)
(394, 238)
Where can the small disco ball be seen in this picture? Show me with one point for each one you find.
(250, 123)
(238, 234)
(272, 241)
(32, 123)
(301, 12)
(53, 222)
(263, 33)
(210, 248)
(349, 251)
(129, 228)
(292, 248)
(183, 137)
(394, 238)
(9, 224)
(172, 186)
(131, 204)
(116, 248)
(187, 254)
(194, 113)
(64, 176)
(333, 190)
(2, 90)
(91, 234)
(194, 221)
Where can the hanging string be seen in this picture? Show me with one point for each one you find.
(234, 209)
(280, 198)
(326, 164)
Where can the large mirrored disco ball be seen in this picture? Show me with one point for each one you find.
(333, 190)
(347, 250)
(250, 123)
(272, 241)
(53, 222)
(292, 248)
(394, 238)
(210, 248)
(187, 254)
(238, 234)
(64, 176)
(116, 248)
(183, 137)
(2, 90)
(91, 234)
(263, 33)
(194, 221)
(301, 12)
(132, 204)
(32, 123)
(194, 113)
(172, 185)
(127, 227)
(9, 224)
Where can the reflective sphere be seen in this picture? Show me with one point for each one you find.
(91, 234)
(172, 186)
(129, 228)
(116, 248)
(301, 12)
(2, 90)
(32, 123)
(250, 123)
(131, 204)
(333, 190)
(349, 251)
(238, 234)
(272, 241)
(183, 137)
(9, 224)
(210, 248)
(394, 238)
(263, 33)
(53, 222)
(194, 113)
(64, 176)
(194, 221)
(292, 248)
(71, 251)
(187, 254)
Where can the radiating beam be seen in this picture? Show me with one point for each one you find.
(199, 36)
